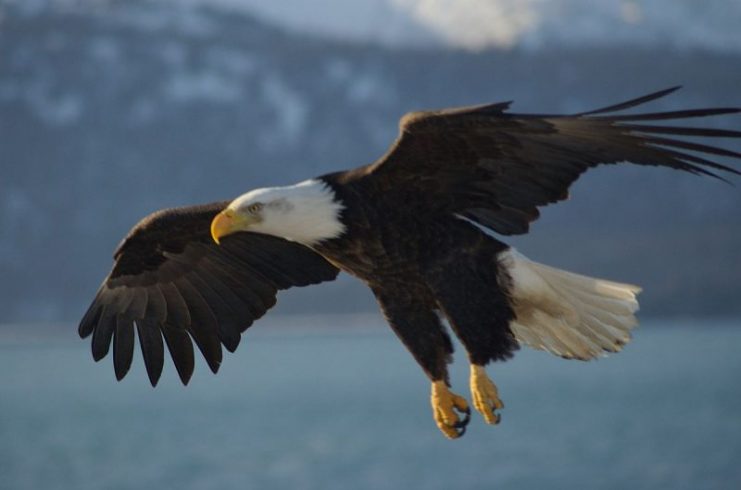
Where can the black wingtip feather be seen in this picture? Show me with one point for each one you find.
(703, 162)
(181, 350)
(684, 114)
(227, 319)
(204, 327)
(103, 334)
(88, 322)
(123, 346)
(152, 347)
(632, 102)
(683, 131)
(688, 145)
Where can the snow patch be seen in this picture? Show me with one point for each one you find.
(143, 111)
(57, 110)
(173, 53)
(105, 50)
(203, 86)
(233, 61)
(476, 24)
(338, 70)
(290, 110)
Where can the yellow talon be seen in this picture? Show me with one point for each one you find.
(484, 395)
(444, 406)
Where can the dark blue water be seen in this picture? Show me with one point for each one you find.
(338, 408)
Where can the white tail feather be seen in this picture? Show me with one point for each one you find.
(568, 314)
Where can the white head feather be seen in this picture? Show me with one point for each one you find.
(307, 212)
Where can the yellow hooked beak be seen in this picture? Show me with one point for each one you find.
(227, 222)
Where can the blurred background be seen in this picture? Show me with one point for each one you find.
(110, 110)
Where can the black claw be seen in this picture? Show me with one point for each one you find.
(461, 424)
(461, 431)
(499, 418)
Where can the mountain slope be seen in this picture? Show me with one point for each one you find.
(107, 114)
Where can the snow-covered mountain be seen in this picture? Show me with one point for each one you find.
(111, 110)
(476, 24)
(479, 24)
(535, 24)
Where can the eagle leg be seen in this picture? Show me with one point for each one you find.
(445, 403)
(484, 395)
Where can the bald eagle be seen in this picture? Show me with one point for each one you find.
(415, 227)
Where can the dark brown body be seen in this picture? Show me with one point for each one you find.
(422, 265)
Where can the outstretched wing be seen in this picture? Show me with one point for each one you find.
(497, 168)
(171, 281)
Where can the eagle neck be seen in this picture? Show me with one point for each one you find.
(317, 212)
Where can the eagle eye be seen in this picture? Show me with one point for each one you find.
(254, 207)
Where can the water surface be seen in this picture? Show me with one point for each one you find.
(341, 407)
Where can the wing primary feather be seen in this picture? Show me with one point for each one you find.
(103, 333)
(123, 346)
(181, 350)
(203, 326)
(283, 271)
(268, 273)
(701, 161)
(139, 304)
(254, 304)
(218, 271)
(157, 305)
(655, 116)
(698, 161)
(178, 314)
(257, 290)
(226, 285)
(92, 315)
(238, 313)
(153, 349)
(681, 130)
(688, 145)
(227, 322)
(632, 102)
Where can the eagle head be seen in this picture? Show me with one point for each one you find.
(308, 213)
